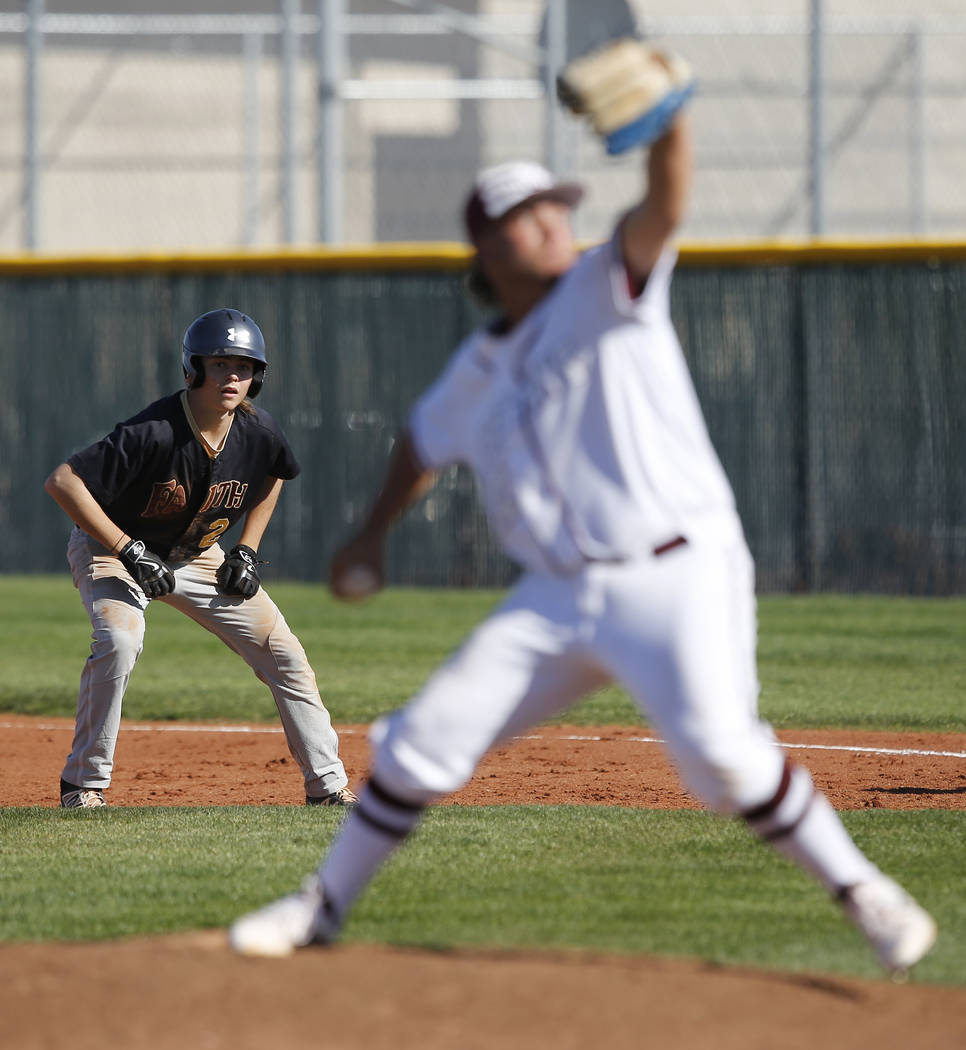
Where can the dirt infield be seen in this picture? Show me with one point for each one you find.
(188, 991)
(171, 764)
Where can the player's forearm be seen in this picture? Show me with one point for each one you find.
(670, 164)
(261, 514)
(647, 227)
(75, 499)
(405, 482)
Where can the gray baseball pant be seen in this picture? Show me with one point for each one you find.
(255, 629)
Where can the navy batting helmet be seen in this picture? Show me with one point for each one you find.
(222, 333)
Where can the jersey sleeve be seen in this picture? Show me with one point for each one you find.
(438, 419)
(108, 466)
(282, 462)
(651, 301)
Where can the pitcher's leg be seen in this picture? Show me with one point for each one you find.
(257, 631)
(690, 675)
(518, 667)
(116, 611)
(694, 678)
(521, 666)
(524, 664)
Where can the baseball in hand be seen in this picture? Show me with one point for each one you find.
(358, 581)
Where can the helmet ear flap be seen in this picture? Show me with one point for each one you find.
(258, 377)
(194, 370)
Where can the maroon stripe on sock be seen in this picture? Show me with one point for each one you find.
(780, 833)
(387, 798)
(380, 825)
(751, 815)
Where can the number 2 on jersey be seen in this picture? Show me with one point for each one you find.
(216, 528)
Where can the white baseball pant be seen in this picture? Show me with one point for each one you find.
(678, 630)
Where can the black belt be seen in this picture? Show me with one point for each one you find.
(678, 541)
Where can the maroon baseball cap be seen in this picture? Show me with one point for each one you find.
(502, 188)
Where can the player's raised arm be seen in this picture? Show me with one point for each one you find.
(634, 95)
(647, 227)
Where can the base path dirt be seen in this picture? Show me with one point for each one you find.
(190, 991)
(174, 764)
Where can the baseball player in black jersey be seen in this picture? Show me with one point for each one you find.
(149, 502)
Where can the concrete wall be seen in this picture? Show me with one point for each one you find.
(144, 139)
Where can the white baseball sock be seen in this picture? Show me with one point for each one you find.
(800, 823)
(372, 832)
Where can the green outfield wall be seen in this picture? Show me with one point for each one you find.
(833, 378)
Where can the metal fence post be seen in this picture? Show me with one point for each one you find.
(252, 58)
(917, 135)
(331, 68)
(31, 175)
(817, 118)
(291, 9)
(553, 60)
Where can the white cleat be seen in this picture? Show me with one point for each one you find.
(288, 923)
(900, 931)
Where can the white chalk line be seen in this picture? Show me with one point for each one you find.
(808, 747)
(853, 749)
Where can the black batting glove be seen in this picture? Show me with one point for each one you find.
(238, 573)
(148, 570)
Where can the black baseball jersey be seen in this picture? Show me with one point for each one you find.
(155, 478)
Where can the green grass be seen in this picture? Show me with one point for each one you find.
(673, 883)
(863, 662)
(678, 883)
(859, 662)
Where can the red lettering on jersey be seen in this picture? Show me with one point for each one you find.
(167, 497)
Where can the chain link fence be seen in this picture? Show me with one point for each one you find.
(832, 392)
(353, 121)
